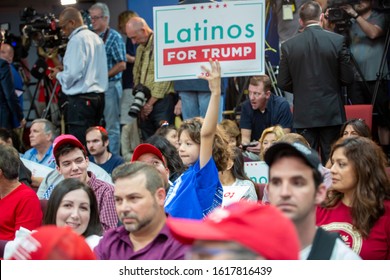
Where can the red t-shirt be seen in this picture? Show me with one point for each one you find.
(375, 247)
(19, 208)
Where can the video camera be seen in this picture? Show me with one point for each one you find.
(337, 14)
(15, 41)
(43, 30)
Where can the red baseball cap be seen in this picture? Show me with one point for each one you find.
(261, 228)
(67, 139)
(147, 149)
(53, 243)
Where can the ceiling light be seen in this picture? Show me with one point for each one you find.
(68, 2)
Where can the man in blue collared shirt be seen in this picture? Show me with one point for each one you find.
(84, 75)
(42, 134)
(116, 63)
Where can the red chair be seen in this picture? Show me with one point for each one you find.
(259, 187)
(359, 111)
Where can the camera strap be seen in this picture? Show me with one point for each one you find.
(150, 58)
(106, 35)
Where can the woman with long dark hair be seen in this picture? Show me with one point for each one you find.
(358, 203)
(73, 204)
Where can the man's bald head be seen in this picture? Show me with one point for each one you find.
(138, 30)
(71, 13)
(137, 23)
(70, 19)
(7, 52)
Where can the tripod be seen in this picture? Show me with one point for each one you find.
(272, 77)
(380, 75)
(343, 28)
(26, 85)
(49, 103)
(51, 110)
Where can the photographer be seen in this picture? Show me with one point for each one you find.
(367, 46)
(159, 106)
(84, 77)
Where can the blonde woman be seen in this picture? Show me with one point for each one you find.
(269, 136)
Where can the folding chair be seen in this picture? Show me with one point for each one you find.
(359, 111)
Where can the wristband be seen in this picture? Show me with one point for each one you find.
(355, 17)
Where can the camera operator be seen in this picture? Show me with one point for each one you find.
(159, 107)
(367, 46)
(9, 104)
(84, 76)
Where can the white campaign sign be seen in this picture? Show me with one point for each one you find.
(37, 169)
(233, 194)
(187, 36)
(257, 171)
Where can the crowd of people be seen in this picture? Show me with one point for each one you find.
(118, 187)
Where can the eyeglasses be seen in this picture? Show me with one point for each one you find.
(96, 17)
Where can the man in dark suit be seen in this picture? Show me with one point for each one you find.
(313, 66)
(9, 103)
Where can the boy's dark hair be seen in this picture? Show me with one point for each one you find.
(66, 149)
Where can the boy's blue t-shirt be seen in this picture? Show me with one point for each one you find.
(195, 193)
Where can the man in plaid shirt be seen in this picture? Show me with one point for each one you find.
(116, 63)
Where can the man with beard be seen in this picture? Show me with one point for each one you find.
(139, 199)
(296, 188)
(97, 145)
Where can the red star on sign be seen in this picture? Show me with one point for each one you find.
(225, 5)
(210, 6)
(202, 7)
(194, 8)
(217, 6)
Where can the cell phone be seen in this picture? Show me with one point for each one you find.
(251, 144)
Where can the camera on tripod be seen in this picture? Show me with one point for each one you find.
(141, 96)
(43, 30)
